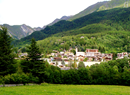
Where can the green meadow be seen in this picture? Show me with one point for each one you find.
(66, 90)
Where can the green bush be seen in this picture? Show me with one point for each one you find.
(35, 79)
(16, 78)
(81, 65)
(6, 79)
(19, 78)
(25, 78)
(0, 80)
(44, 84)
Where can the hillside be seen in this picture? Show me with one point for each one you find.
(90, 9)
(102, 37)
(106, 5)
(110, 28)
(118, 19)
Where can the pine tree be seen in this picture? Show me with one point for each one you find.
(33, 51)
(35, 66)
(6, 56)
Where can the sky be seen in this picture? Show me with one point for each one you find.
(37, 13)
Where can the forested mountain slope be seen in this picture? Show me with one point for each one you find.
(118, 19)
(90, 9)
(107, 31)
(106, 41)
(106, 5)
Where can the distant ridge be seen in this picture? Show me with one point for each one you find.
(102, 6)
(20, 31)
(88, 10)
(57, 20)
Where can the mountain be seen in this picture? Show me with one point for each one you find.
(55, 21)
(102, 6)
(20, 31)
(39, 28)
(117, 19)
(62, 18)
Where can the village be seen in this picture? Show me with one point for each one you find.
(65, 58)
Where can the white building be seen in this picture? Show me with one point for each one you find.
(79, 53)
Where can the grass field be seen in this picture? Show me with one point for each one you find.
(66, 90)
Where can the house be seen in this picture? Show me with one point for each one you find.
(81, 37)
(92, 52)
(57, 59)
(80, 54)
(61, 43)
(68, 53)
(23, 55)
(61, 52)
(71, 57)
(108, 57)
(80, 58)
(122, 55)
(52, 54)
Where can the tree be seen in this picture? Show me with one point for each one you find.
(63, 62)
(70, 63)
(81, 65)
(33, 64)
(66, 47)
(6, 55)
(85, 59)
(101, 49)
(74, 52)
(56, 63)
(74, 64)
(33, 51)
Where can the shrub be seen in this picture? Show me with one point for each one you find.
(18, 78)
(6, 79)
(0, 80)
(81, 65)
(25, 78)
(35, 79)
(44, 84)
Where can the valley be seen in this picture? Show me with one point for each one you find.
(86, 53)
